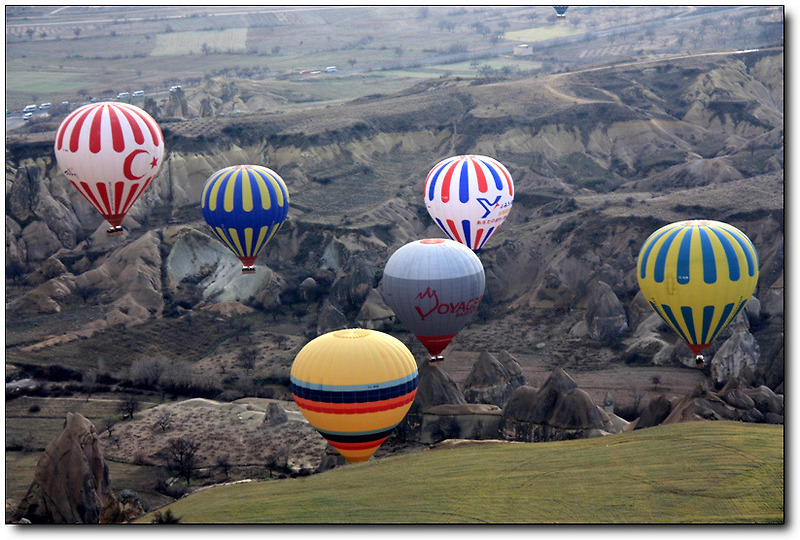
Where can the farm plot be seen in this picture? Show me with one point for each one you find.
(542, 33)
(177, 43)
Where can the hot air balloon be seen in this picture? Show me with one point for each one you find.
(110, 151)
(469, 197)
(697, 275)
(434, 286)
(245, 206)
(354, 386)
(561, 11)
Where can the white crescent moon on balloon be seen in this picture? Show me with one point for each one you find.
(126, 167)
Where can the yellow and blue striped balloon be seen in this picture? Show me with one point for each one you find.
(245, 206)
(354, 386)
(698, 275)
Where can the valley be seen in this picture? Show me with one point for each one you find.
(607, 139)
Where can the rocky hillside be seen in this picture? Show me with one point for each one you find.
(600, 159)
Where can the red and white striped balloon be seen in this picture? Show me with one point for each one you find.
(110, 151)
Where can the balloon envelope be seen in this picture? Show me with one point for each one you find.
(434, 286)
(469, 197)
(354, 386)
(245, 206)
(110, 152)
(697, 275)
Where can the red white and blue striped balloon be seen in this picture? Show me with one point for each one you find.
(469, 197)
(110, 152)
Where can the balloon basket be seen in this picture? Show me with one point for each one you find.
(114, 231)
(699, 361)
(436, 360)
(248, 269)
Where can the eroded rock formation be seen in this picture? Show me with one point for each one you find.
(72, 483)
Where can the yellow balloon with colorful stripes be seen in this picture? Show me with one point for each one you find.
(698, 275)
(245, 205)
(354, 386)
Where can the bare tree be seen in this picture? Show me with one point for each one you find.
(147, 372)
(129, 406)
(247, 357)
(636, 397)
(89, 381)
(29, 443)
(656, 380)
(224, 465)
(181, 457)
(164, 419)
(244, 383)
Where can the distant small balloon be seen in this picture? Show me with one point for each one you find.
(245, 205)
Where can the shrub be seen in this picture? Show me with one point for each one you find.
(167, 518)
(58, 373)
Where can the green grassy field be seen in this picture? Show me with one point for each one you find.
(542, 33)
(698, 473)
(178, 43)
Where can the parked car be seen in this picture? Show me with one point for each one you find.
(27, 115)
(175, 88)
(29, 108)
(138, 93)
(330, 69)
(123, 95)
(44, 106)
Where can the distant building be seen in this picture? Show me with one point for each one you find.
(523, 49)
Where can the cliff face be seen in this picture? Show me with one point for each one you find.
(600, 159)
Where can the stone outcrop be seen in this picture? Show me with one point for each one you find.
(738, 351)
(375, 314)
(435, 387)
(275, 414)
(735, 401)
(605, 315)
(353, 283)
(656, 411)
(331, 318)
(766, 401)
(476, 421)
(493, 380)
(71, 484)
(558, 410)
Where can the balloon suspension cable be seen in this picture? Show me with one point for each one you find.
(248, 269)
(114, 231)
(436, 359)
(699, 361)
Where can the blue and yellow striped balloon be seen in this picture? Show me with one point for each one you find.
(245, 206)
(698, 275)
(354, 386)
